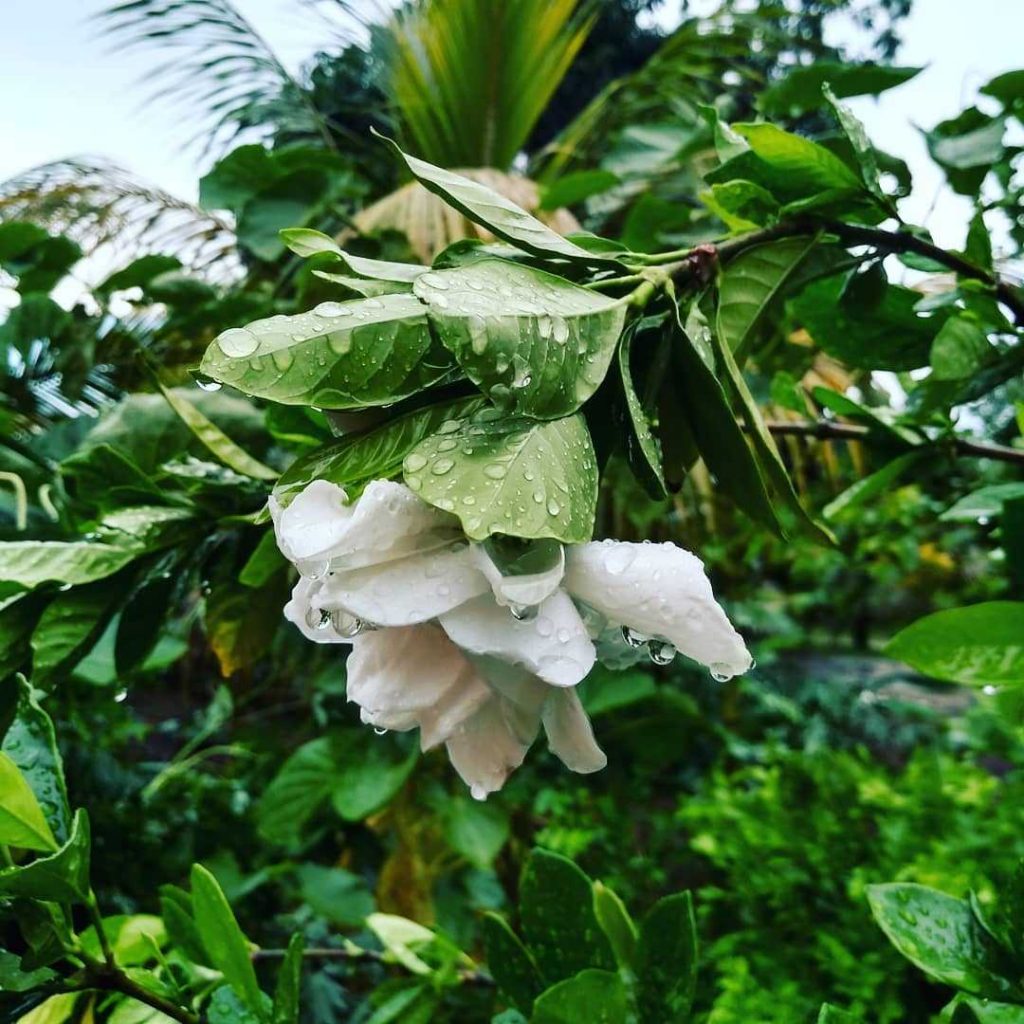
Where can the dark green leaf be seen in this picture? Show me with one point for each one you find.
(666, 961)
(73, 622)
(304, 242)
(984, 503)
(979, 645)
(29, 563)
(339, 355)
(576, 186)
(643, 451)
(508, 475)
(959, 350)
(556, 907)
(856, 136)
(831, 1015)
(335, 894)
(868, 488)
(511, 963)
(289, 982)
(475, 830)
(176, 911)
(800, 90)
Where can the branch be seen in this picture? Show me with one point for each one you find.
(855, 234)
(830, 430)
(108, 977)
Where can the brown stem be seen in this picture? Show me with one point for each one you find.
(830, 430)
(110, 978)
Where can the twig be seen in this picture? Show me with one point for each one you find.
(830, 430)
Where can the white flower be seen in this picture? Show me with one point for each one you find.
(477, 659)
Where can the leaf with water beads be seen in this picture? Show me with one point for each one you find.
(339, 355)
(536, 344)
(523, 478)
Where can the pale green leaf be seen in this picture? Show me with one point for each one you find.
(22, 822)
(29, 563)
(306, 242)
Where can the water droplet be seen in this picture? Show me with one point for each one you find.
(633, 638)
(346, 625)
(560, 331)
(206, 383)
(449, 427)
(661, 652)
(435, 281)
(618, 559)
(447, 444)
(238, 342)
(121, 696)
(414, 462)
(380, 732)
(523, 612)
(332, 309)
(720, 673)
(441, 466)
(553, 507)
(563, 635)
(495, 470)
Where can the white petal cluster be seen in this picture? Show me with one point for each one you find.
(477, 659)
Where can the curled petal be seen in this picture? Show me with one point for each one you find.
(553, 645)
(486, 748)
(306, 611)
(569, 732)
(659, 590)
(524, 591)
(408, 590)
(317, 530)
(414, 676)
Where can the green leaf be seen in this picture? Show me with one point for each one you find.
(751, 285)
(139, 273)
(556, 909)
(507, 475)
(31, 744)
(367, 287)
(891, 336)
(62, 877)
(499, 215)
(223, 939)
(335, 894)
(227, 1007)
(831, 1015)
(863, 151)
(941, 936)
(984, 503)
(376, 455)
(56, 1010)
(868, 488)
(289, 984)
(722, 443)
(741, 205)
(510, 962)
(594, 996)
(573, 188)
(985, 1011)
(22, 822)
(178, 918)
(340, 355)
(475, 830)
(215, 440)
(960, 350)
(266, 559)
(643, 450)
(615, 922)
(357, 772)
(980, 645)
(534, 343)
(666, 961)
(28, 563)
(305, 242)
(800, 90)
(241, 621)
(132, 938)
(73, 622)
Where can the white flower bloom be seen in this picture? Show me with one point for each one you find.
(476, 658)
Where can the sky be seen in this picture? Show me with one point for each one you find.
(74, 96)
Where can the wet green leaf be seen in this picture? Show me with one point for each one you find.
(536, 344)
(596, 996)
(62, 877)
(643, 449)
(306, 242)
(29, 563)
(524, 478)
(510, 962)
(22, 822)
(666, 961)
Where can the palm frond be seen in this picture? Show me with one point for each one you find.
(107, 211)
(471, 77)
(219, 70)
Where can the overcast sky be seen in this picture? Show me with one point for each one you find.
(67, 94)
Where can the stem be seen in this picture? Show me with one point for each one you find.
(829, 430)
(93, 907)
(855, 234)
(108, 977)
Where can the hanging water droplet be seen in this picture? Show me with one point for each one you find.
(661, 652)
(720, 674)
(633, 638)
(523, 612)
(380, 732)
(206, 383)
(121, 696)
(345, 624)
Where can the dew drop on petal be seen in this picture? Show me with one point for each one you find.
(661, 652)
(633, 638)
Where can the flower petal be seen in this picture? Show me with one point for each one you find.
(553, 645)
(408, 590)
(304, 609)
(387, 521)
(485, 749)
(660, 590)
(414, 676)
(524, 591)
(569, 732)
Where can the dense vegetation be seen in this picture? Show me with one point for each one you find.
(605, 284)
